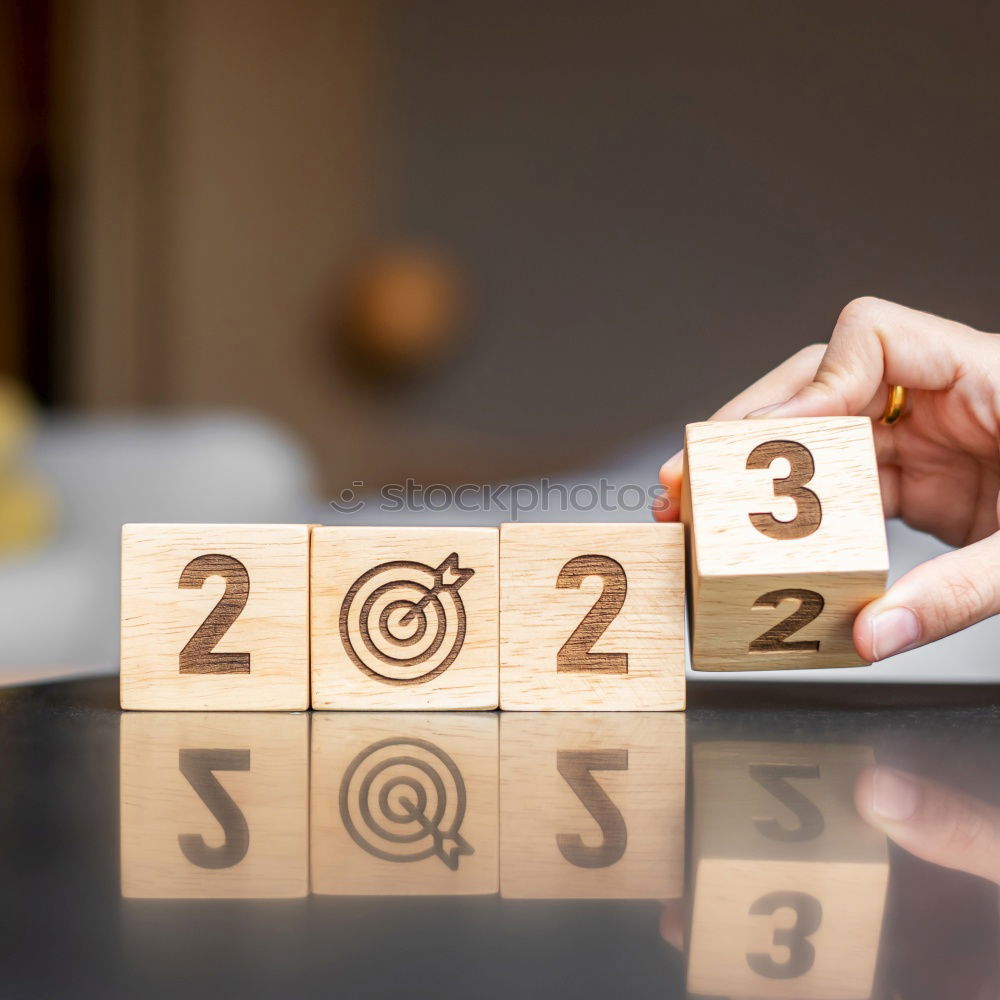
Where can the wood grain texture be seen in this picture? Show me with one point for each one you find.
(592, 805)
(576, 633)
(166, 605)
(781, 505)
(214, 805)
(789, 882)
(404, 618)
(404, 804)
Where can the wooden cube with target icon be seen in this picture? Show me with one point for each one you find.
(404, 618)
(215, 616)
(405, 804)
(786, 540)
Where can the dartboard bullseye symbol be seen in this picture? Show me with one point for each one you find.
(404, 800)
(404, 622)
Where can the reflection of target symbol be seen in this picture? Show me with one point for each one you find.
(404, 622)
(404, 800)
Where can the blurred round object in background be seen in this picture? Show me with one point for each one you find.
(401, 311)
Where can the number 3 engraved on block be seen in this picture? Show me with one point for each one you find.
(576, 654)
(802, 468)
(775, 639)
(197, 656)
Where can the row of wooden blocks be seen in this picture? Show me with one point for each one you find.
(787, 883)
(785, 538)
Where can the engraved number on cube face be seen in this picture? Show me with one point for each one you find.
(793, 941)
(577, 767)
(576, 654)
(775, 639)
(774, 779)
(199, 767)
(801, 469)
(197, 656)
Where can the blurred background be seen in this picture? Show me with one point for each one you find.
(255, 253)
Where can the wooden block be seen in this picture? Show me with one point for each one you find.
(214, 805)
(592, 617)
(404, 618)
(787, 540)
(592, 805)
(215, 616)
(404, 804)
(789, 882)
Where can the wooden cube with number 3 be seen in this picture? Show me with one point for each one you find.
(592, 617)
(215, 616)
(787, 540)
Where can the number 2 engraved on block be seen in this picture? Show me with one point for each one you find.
(198, 766)
(577, 767)
(809, 511)
(794, 940)
(197, 656)
(775, 639)
(576, 654)
(773, 778)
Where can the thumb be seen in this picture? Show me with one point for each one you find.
(938, 824)
(937, 598)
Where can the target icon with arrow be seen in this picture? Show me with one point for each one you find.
(404, 800)
(404, 622)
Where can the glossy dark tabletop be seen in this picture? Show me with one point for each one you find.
(717, 853)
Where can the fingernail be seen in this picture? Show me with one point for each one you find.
(674, 459)
(764, 410)
(895, 796)
(893, 631)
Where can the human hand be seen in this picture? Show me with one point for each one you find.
(939, 466)
(931, 821)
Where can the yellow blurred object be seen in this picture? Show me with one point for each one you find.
(27, 508)
(17, 419)
(27, 514)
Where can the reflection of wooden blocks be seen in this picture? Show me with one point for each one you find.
(787, 540)
(592, 617)
(404, 618)
(404, 804)
(215, 616)
(789, 882)
(592, 806)
(214, 806)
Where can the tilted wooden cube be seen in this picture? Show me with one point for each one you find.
(787, 541)
(592, 805)
(404, 618)
(592, 617)
(789, 882)
(214, 805)
(215, 616)
(404, 804)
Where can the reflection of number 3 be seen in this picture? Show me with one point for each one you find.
(795, 939)
(576, 654)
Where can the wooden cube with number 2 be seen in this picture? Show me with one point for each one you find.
(592, 617)
(787, 540)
